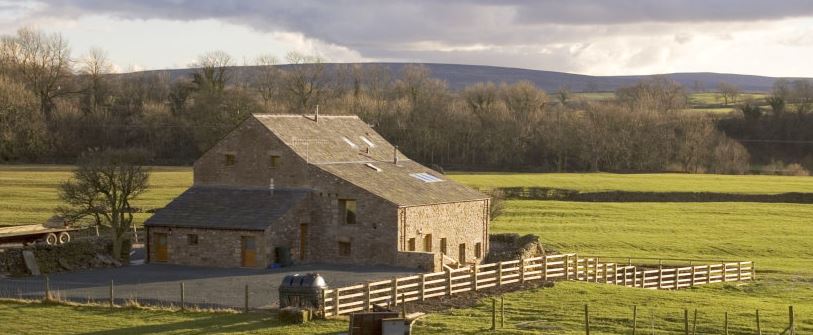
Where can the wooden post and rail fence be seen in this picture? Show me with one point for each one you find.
(356, 298)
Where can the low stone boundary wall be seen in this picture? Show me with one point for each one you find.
(75, 255)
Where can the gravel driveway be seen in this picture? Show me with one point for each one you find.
(209, 287)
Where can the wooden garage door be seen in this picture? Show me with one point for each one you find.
(248, 247)
(161, 248)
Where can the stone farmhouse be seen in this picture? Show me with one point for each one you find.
(317, 189)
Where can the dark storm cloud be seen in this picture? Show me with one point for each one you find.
(539, 34)
(363, 23)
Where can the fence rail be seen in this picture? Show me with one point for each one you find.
(345, 300)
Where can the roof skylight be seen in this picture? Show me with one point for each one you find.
(370, 165)
(349, 142)
(368, 142)
(425, 177)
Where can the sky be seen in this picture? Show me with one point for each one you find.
(595, 37)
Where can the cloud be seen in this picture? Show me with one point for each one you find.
(575, 35)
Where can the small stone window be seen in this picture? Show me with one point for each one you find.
(347, 210)
(443, 248)
(411, 246)
(427, 243)
(192, 239)
(344, 248)
(478, 250)
(229, 159)
(274, 161)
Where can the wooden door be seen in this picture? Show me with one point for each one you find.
(303, 240)
(462, 258)
(248, 248)
(161, 248)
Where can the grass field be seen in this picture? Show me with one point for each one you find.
(673, 182)
(778, 237)
(57, 319)
(28, 193)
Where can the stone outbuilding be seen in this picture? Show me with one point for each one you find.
(317, 189)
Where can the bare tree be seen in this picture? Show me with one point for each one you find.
(305, 81)
(103, 186)
(266, 78)
(212, 71)
(94, 66)
(729, 92)
(42, 61)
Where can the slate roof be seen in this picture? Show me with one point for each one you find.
(326, 141)
(324, 144)
(396, 183)
(226, 208)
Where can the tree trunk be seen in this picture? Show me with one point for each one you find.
(117, 247)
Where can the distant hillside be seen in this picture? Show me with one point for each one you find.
(459, 76)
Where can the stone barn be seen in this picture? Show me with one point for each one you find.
(317, 189)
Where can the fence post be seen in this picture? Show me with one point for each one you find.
(595, 269)
(660, 278)
(449, 282)
(576, 266)
(544, 267)
(423, 286)
(567, 267)
(694, 323)
(725, 271)
(47, 288)
(686, 321)
(499, 274)
(324, 299)
(739, 271)
(643, 278)
(367, 296)
(493, 314)
(336, 302)
(725, 325)
(474, 276)
(759, 327)
(522, 270)
(183, 297)
(394, 291)
(634, 318)
(246, 306)
(586, 320)
(112, 296)
(792, 322)
(502, 312)
(753, 271)
(691, 281)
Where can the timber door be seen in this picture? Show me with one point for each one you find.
(303, 240)
(248, 251)
(462, 258)
(161, 248)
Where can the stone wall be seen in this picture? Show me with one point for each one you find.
(372, 238)
(511, 246)
(252, 145)
(75, 255)
(425, 261)
(459, 223)
(216, 247)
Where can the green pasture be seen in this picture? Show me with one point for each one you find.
(661, 182)
(778, 237)
(28, 194)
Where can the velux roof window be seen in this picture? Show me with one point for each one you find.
(367, 141)
(425, 177)
(350, 143)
